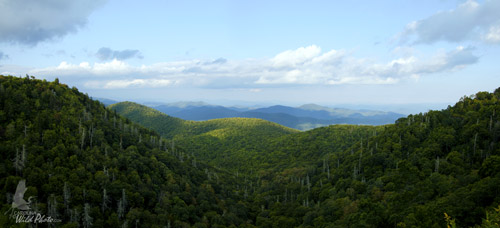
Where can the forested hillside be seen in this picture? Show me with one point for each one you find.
(407, 175)
(403, 175)
(87, 166)
(165, 125)
(229, 142)
(244, 145)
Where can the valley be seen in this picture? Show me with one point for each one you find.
(249, 114)
(304, 117)
(129, 164)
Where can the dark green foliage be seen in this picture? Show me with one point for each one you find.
(84, 164)
(238, 172)
(231, 143)
(166, 125)
(406, 174)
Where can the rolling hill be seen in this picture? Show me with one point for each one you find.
(170, 126)
(86, 165)
(304, 117)
(211, 140)
(166, 125)
(406, 174)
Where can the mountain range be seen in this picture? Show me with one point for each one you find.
(304, 117)
(433, 169)
(129, 165)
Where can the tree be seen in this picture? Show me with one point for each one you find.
(87, 220)
(66, 197)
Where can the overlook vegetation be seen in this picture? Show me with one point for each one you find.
(215, 141)
(89, 166)
(405, 174)
(234, 143)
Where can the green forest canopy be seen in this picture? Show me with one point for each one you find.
(87, 165)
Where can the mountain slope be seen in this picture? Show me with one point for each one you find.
(84, 165)
(105, 101)
(302, 118)
(148, 117)
(87, 165)
(403, 175)
(299, 112)
(172, 126)
(406, 174)
(226, 142)
(198, 112)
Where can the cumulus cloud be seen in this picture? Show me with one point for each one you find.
(114, 67)
(105, 53)
(302, 66)
(336, 67)
(469, 21)
(30, 22)
(217, 61)
(292, 58)
(459, 58)
(127, 83)
(493, 35)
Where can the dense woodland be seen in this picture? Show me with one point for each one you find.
(90, 167)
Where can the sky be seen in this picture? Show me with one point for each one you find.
(411, 53)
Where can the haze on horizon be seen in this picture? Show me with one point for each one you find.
(382, 54)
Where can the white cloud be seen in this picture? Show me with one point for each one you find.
(64, 68)
(469, 21)
(493, 35)
(30, 22)
(363, 80)
(334, 67)
(331, 57)
(293, 58)
(114, 67)
(121, 84)
(451, 60)
(303, 66)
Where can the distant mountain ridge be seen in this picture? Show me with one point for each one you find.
(86, 164)
(304, 117)
(105, 101)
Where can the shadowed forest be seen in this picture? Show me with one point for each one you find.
(128, 165)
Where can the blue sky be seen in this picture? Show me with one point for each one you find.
(258, 52)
